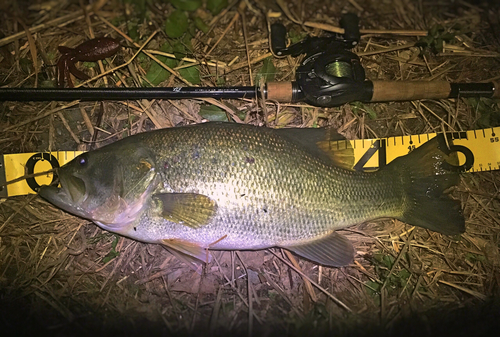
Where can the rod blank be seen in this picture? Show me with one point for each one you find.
(123, 94)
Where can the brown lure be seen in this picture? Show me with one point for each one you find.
(89, 51)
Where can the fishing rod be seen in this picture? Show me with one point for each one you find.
(330, 75)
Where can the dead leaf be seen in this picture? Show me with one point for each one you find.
(33, 51)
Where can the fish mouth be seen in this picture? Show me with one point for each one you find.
(69, 197)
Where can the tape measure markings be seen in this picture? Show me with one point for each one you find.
(481, 153)
(477, 153)
(19, 164)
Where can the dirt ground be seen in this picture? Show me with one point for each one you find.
(63, 275)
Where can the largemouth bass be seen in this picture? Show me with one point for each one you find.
(230, 186)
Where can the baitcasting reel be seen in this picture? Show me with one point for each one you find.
(330, 74)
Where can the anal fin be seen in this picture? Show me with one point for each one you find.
(333, 250)
(189, 248)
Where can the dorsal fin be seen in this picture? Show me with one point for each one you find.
(324, 143)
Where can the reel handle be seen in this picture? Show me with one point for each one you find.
(278, 38)
(313, 45)
(350, 23)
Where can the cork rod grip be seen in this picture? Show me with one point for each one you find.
(280, 91)
(384, 91)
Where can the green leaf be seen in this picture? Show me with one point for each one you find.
(388, 261)
(192, 74)
(296, 35)
(267, 72)
(140, 6)
(438, 47)
(474, 257)
(215, 6)
(51, 55)
(180, 48)
(112, 253)
(371, 113)
(240, 113)
(191, 31)
(89, 64)
(448, 37)
(47, 84)
(117, 20)
(142, 57)
(435, 37)
(221, 81)
(26, 65)
(488, 109)
(133, 31)
(403, 275)
(176, 24)
(359, 107)
(156, 73)
(373, 287)
(213, 113)
(201, 25)
(99, 237)
(436, 30)
(186, 5)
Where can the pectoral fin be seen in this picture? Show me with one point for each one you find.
(334, 250)
(189, 248)
(190, 209)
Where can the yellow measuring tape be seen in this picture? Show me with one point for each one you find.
(478, 150)
(15, 166)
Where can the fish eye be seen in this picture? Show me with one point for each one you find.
(83, 161)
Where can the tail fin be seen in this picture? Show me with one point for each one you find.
(427, 173)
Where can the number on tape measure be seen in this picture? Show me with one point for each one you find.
(378, 146)
(448, 148)
(30, 168)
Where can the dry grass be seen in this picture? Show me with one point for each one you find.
(64, 275)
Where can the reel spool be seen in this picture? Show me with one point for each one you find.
(339, 69)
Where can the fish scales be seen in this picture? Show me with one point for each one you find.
(268, 191)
